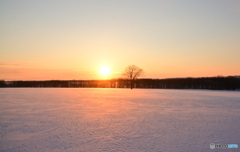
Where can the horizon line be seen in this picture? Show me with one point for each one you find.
(124, 78)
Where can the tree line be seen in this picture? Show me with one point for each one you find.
(213, 83)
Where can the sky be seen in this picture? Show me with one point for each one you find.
(73, 39)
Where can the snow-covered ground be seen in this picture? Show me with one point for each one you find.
(74, 119)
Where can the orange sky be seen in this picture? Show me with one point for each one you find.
(74, 39)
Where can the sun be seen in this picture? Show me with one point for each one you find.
(105, 71)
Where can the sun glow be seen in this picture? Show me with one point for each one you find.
(105, 71)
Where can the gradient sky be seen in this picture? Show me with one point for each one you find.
(73, 39)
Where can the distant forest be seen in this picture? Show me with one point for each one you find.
(212, 83)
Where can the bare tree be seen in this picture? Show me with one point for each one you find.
(132, 72)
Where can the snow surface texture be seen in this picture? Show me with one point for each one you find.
(73, 119)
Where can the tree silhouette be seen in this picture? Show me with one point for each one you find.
(132, 72)
(2, 83)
